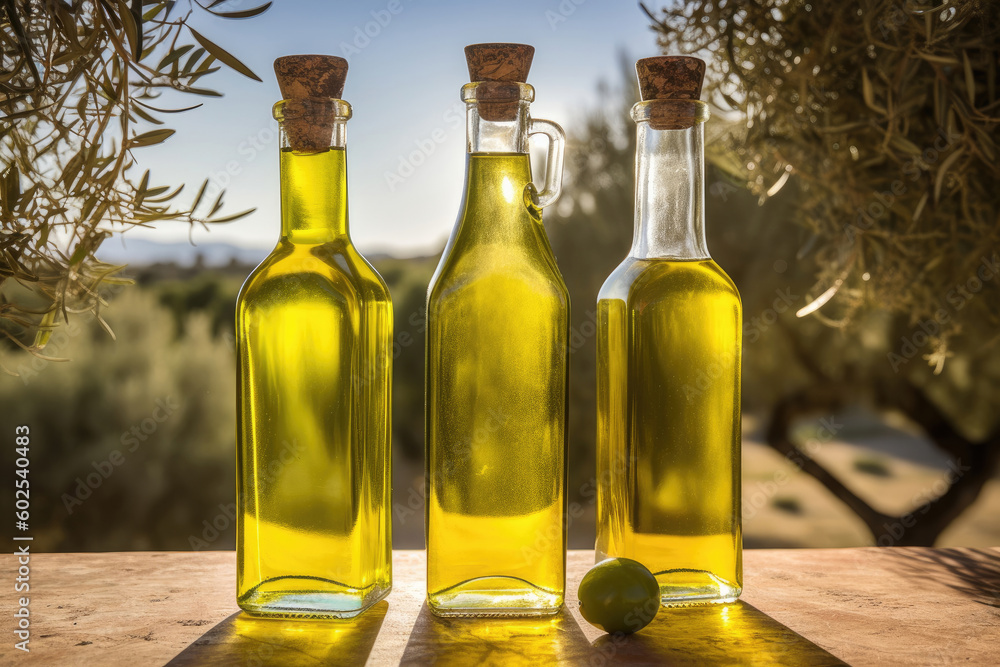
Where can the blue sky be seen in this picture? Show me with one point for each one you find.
(406, 71)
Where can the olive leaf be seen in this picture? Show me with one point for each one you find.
(69, 144)
(224, 56)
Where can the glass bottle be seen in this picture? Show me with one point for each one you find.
(668, 364)
(314, 330)
(498, 320)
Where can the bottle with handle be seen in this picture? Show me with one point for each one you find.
(668, 364)
(314, 348)
(498, 321)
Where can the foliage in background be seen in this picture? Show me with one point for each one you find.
(133, 442)
(888, 117)
(408, 280)
(78, 93)
(878, 123)
(590, 231)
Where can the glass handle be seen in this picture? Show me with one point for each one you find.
(553, 160)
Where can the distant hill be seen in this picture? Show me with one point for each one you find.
(138, 253)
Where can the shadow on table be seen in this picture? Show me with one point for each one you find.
(972, 572)
(245, 640)
(538, 641)
(732, 634)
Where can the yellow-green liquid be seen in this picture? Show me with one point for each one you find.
(498, 319)
(314, 330)
(669, 350)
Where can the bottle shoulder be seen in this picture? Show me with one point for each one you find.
(648, 280)
(497, 267)
(336, 270)
(498, 239)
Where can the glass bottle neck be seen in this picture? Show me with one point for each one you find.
(497, 176)
(496, 116)
(509, 135)
(669, 193)
(314, 191)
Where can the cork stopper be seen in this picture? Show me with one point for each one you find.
(310, 77)
(500, 64)
(674, 78)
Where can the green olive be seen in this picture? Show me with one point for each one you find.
(619, 595)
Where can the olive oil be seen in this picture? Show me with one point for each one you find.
(497, 359)
(498, 314)
(669, 424)
(669, 342)
(314, 330)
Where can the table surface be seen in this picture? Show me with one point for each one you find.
(806, 606)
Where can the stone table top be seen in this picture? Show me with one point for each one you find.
(807, 606)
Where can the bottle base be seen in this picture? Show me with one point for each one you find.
(687, 588)
(303, 603)
(493, 612)
(494, 596)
